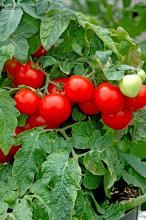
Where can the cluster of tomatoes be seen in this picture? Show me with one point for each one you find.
(115, 103)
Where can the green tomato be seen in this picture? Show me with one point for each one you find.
(141, 73)
(130, 85)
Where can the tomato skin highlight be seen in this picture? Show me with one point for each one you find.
(29, 76)
(108, 98)
(139, 102)
(89, 108)
(27, 101)
(79, 89)
(55, 108)
(39, 52)
(12, 66)
(53, 89)
(36, 121)
(117, 121)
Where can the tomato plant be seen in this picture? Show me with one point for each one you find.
(64, 122)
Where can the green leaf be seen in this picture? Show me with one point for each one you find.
(23, 210)
(21, 48)
(47, 61)
(52, 28)
(8, 121)
(93, 163)
(91, 181)
(27, 27)
(42, 6)
(109, 179)
(29, 7)
(9, 19)
(66, 66)
(7, 50)
(139, 133)
(63, 175)
(138, 150)
(136, 164)
(104, 35)
(115, 212)
(28, 159)
(104, 55)
(133, 178)
(79, 205)
(81, 133)
(77, 115)
(111, 73)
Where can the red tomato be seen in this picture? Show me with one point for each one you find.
(79, 89)
(60, 89)
(27, 102)
(36, 121)
(108, 98)
(39, 52)
(27, 126)
(119, 120)
(13, 151)
(27, 75)
(18, 130)
(138, 102)
(12, 66)
(55, 108)
(89, 108)
(3, 158)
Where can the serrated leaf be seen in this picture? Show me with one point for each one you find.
(9, 19)
(104, 55)
(7, 50)
(27, 27)
(47, 61)
(28, 159)
(115, 212)
(93, 163)
(21, 48)
(8, 121)
(52, 28)
(66, 66)
(79, 205)
(42, 6)
(29, 7)
(139, 133)
(104, 35)
(77, 115)
(136, 164)
(111, 73)
(62, 174)
(81, 133)
(23, 210)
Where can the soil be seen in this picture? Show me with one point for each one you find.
(122, 192)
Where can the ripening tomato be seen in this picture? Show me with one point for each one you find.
(60, 89)
(141, 73)
(79, 89)
(108, 98)
(55, 108)
(28, 75)
(27, 101)
(119, 120)
(36, 121)
(12, 66)
(39, 52)
(130, 85)
(89, 108)
(3, 158)
(138, 102)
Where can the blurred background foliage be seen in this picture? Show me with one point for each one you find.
(131, 15)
